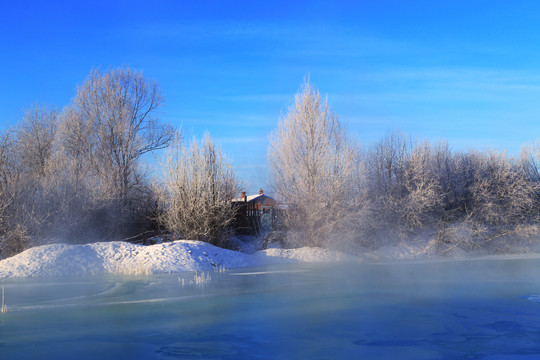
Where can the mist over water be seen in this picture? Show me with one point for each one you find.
(413, 310)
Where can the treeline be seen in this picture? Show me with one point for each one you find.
(76, 175)
(397, 189)
(459, 199)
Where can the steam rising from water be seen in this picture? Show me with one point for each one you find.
(422, 309)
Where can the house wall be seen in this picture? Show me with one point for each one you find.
(248, 215)
(264, 201)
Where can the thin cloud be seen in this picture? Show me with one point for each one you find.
(443, 85)
(229, 119)
(243, 140)
(263, 98)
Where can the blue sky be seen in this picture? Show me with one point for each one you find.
(463, 71)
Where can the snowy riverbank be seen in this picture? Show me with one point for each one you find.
(186, 255)
(126, 258)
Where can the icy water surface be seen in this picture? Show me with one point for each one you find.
(476, 309)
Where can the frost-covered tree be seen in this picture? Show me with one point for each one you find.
(313, 168)
(386, 163)
(198, 186)
(422, 194)
(114, 123)
(404, 185)
(8, 168)
(528, 164)
(502, 193)
(491, 202)
(111, 123)
(8, 183)
(35, 140)
(25, 158)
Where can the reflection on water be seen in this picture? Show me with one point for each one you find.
(434, 310)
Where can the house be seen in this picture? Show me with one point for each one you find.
(255, 213)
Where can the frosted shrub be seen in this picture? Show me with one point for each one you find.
(195, 197)
(199, 279)
(14, 241)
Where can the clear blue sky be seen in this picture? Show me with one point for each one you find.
(464, 71)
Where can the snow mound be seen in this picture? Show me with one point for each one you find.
(305, 254)
(125, 258)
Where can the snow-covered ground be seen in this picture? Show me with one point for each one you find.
(126, 258)
(187, 255)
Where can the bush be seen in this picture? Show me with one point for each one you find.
(195, 196)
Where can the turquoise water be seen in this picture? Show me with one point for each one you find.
(481, 309)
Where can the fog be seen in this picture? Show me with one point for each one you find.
(418, 310)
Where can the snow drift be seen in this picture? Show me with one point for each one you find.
(125, 258)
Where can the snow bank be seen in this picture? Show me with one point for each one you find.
(125, 258)
(186, 255)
